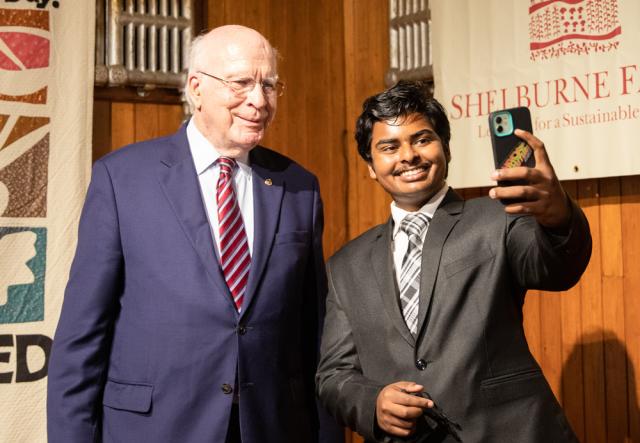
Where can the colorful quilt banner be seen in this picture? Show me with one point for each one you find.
(574, 63)
(46, 96)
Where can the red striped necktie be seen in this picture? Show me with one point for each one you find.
(234, 247)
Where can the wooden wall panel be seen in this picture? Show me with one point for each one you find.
(146, 124)
(599, 321)
(366, 49)
(123, 124)
(116, 124)
(572, 397)
(630, 210)
(613, 322)
(101, 128)
(592, 333)
(551, 348)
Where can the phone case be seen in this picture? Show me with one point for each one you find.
(508, 150)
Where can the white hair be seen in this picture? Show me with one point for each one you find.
(194, 51)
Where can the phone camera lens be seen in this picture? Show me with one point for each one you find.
(499, 129)
(498, 119)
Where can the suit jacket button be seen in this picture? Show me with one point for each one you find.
(421, 365)
(242, 330)
(226, 388)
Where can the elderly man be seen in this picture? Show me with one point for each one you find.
(195, 298)
(423, 337)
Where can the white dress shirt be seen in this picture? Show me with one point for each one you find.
(400, 238)
(204, 157)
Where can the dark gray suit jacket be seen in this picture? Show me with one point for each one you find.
(470, 353)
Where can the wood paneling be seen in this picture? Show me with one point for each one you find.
(123, 124)
(116, 124)
(572, 396)
(599, 318)
(366, 49)
(101, 128)
(591, 295)
(630, 210)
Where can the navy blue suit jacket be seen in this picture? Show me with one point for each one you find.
(149, 337)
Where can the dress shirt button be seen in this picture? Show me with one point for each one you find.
(421, 365)
(242, 330)
(226, 388)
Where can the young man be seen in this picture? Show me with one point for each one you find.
(432, 300)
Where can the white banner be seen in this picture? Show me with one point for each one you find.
(46, 96)
(574, 63)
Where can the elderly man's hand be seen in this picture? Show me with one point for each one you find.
(543, 196)
(397, 409)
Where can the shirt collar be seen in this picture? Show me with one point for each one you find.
(205, 154)
(429, 209)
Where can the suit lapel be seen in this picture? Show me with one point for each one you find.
(382, 262)
(445, 218)
(179, 182)
(268, 188)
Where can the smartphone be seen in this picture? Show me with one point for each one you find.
(508, 150)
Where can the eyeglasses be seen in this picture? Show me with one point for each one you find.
(244, 86)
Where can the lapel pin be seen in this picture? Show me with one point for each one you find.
(268, 182)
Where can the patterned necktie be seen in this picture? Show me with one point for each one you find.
(413, 225)
(234, 247)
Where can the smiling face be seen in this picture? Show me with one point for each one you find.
(408, 160)
(233, 124)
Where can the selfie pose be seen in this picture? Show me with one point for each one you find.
(423, 337)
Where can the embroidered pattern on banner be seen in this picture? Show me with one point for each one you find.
(25, 52)
(580, 27)
(24, 124)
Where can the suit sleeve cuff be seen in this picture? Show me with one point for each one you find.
(569, 239)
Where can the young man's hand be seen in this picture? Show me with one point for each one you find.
(543, 196)
(397, 410)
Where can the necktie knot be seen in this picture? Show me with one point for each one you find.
(414, 224)
(226, 165)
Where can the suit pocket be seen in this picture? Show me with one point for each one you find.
(292, 237)
(134, 397)
(468, 261)
(507, 387)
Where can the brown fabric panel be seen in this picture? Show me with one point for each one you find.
(26, 180)
(3, 120)
(24, 17)
(37, 98)
(24, 126)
